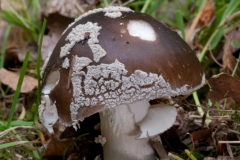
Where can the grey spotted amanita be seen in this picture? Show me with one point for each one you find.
(113, 61)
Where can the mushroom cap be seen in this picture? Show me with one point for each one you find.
(114, 56)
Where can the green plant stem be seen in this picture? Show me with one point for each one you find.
(195, 95)
(105, 3)
(145, 6)
(206, 47)
(179, 19)
(198, 104)
(174, 156)
(17, 92)
(17, 123)
(39, 61)
(4, 44)
(236, 66)
(190, 155)
(12, 144)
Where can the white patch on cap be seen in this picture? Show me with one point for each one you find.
(159, 118)
(48, 113)
(141, 29)
(78, 33)
(51, 81)
(79, 64)
(114, 11)
(111, 10)
(65, 50)
(113, 14)
(45, 64)
(66, 63)
(107, 85)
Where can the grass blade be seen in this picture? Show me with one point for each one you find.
(19, 85)
(4, 44)
(11, 144)
(236, 66)
(39, 60)
(145, 6)
(179, 19)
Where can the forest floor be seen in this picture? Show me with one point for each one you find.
(207, 124)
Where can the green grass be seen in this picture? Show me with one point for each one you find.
(39, 66)
(180, 23)
(4, 45)
(25, 16)
(216, 36)
(17, 92)
(9, 128)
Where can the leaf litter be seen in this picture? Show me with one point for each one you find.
(224, 86)
(11, 79)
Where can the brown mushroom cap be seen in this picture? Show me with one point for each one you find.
(108, 64)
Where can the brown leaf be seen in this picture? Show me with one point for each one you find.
(55, 30)
(207, 14)
(67, 8)
(11, 79)
(57, 147)
(229, 61)
(11, 58)
(221, 147)
(223, 86)
(200, 134)
(172, 141)
(234, 36)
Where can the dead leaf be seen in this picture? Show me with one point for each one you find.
(235, 36)
(11, 79)
(11, 58)
(172, 141)
(223, 86)
(200, 134)
(72, 8)
(207, 14)
(218, 158)
(229, 61)
(213, 124)
(55, 30)
(158, 147)
(57, 147)
(221, 147)
(59, 14)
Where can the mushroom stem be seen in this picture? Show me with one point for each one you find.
(118, 125)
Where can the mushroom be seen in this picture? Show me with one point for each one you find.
(112, 61)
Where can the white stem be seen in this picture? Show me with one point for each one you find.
(118, 125)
